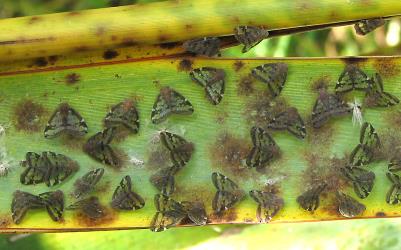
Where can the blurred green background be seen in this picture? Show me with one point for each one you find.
(346, 234)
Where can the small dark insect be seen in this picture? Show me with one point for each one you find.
(377, 96)
(163, 180)
(348, 206)
(212, 80)
(170, 102)
(126, 199)
(361, 179)
(99, 149)
(352, 78)
(180, 149)
(310, 200)
(269, 205)
(86, 183)
(250, 36)
(65, 120)
(289, 120)
(394, 164)
(123, 114)
(196, 212)
(169, 213)
(394, 194)
(49, 167)
(368, 142)
(264, 149)
(207, 46)
(366, 26)
(328, 106)
(227, 195)
(90, 207)
(23, 201)
(273, 74)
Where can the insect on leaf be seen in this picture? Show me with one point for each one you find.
(170, 102)
(369, 141)
(366, 26)
(169, 213)
(86, 183)
(377, 97)
(123, 114)
(22, 202)
(227, 195)
(394, 194)
(196, 212)
(90, 207)
(348, 206)
(273, 74)
(394, 164)
(328, 106)
(126, 199)
(54, 202)
(99, 149)
(65, 120)
(180, 149)
(264, 149)
(310, 200)
(212, 80)
(250, 36)
(361, 179)
(269, 205)
(207, 46)
(289, 120)
(164, 181)
(352, 78)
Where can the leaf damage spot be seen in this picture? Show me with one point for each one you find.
(110, 54)
(28, 116)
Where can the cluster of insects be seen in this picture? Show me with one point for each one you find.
(53, 168)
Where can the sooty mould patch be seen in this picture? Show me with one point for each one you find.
(158, 157)
(170, 45)
(245, 86)
(110, 54)
(185, 65)
(227, 216)
(28, 115)
(108, 218)
(390, 140)
(387, 67)
(322, 83)
(238, 65)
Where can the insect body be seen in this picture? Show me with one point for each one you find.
(310, 199)
(348, 206)
(179, 148)
(352, 78)
(264, 149)
(126, 199)
(328, 106)
(90, 207)
(289, 120)
(273, 74)
(250, 36)
(212, 80)
(207, 46)
(366, 26)
(368, 142)
(123, 114)
(394, 194)
(98, 147)
(87, 182)
(361, 179)
(227, 195)
(269, 205)
(377, 97)
(169, 213)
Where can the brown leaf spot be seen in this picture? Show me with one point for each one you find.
(185, 65)
(34, 19)
(245, 86)
(238, 65)
(110, 54)
(5, 221)
(322, 83)
(40, 62)
(354, 60)
(387, 67)
(107, 219)
(128, 41)
(72, 78)
(52, 59)
(227, 216)
(171, 45)
(28, 115)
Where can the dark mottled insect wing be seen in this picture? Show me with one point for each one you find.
(125, 114)
(180, 149)
(124, 198)
(364, 27)
(352, 78)
(273, 74)
(87, 182)
(348, 206)
(207, 46)
(368, 136)
(361, 155)
(196, 212)
(393, 195)
(212, 80)
(61, 167)
(99, 149)
(164, 203)
(54, 204)
(162, 221)
(223, 200)
(164, 181)
(310, 200)
(268, 205)
(250, 36)
(36, 169)
(223, 183)
(91, 207)
(291, 121)
(65, 120)
(169, 102)
(394, 165)
(394, 178)
(22, 202)
(263, 150)
(327, 106)
(361, 179)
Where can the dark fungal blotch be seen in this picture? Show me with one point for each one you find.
(322, 83)
(72, 78)
(29, 115)
(40, 62)
(245, 86)
(110, 54)
(185, 65)
(387, 67)
(170, 45)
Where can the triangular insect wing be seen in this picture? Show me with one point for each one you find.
(223, 200)
(223, 183)
(348, 206)
(65, 119)
(250, 36)
(273, 74)
(125, 114)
